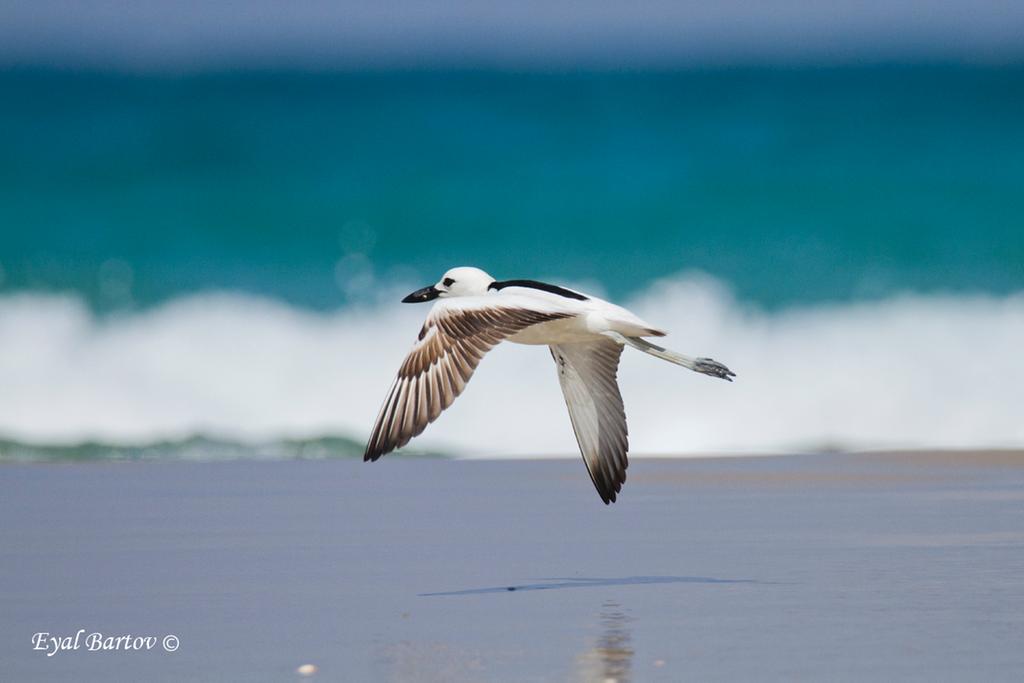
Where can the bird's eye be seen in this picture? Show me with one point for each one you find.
(448, 282)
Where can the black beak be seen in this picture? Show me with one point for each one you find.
(420, 295)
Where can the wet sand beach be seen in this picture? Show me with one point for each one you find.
(895, 566)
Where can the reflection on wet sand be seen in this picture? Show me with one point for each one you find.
(610, 660)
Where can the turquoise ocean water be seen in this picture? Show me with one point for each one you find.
(202, 254)
(791, 185)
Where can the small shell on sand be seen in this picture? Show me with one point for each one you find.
(306, 670)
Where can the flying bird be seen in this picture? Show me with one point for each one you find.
(586, 335)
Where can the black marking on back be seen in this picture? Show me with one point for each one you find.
(543, 286)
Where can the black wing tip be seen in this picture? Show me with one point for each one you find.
(373, 453)
(609, 496)
(610, 486)
(606, 492)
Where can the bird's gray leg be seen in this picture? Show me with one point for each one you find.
(705, 366)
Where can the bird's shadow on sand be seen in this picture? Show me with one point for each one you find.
(545, 584)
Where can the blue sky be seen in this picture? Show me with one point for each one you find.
(189, 35)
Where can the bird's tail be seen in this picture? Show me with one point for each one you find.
(705, 366)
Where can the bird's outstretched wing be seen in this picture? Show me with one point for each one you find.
(587, 374)
(451, 343)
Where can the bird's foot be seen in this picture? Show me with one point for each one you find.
(711, 367)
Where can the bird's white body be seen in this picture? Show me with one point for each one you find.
(590, 318)
(586, 335)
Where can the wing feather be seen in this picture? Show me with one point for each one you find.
(587, 373)
(450, 345)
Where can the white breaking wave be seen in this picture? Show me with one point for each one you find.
(908, 371)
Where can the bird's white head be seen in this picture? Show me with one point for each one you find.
(461, 281)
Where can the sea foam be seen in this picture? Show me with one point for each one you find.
(907, 371)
